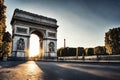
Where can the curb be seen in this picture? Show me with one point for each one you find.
(99, 62)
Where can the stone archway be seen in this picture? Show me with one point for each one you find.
(25, 23)
(41, 37)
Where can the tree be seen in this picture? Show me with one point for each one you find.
(89, 51)
(112, 41)
(99, 50)
(5, 37)
(2, 24)
(80, 51)
(6, 43)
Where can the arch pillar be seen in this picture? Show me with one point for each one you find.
(48, 53)
(41, 49)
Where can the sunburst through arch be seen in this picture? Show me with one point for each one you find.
(34, 46)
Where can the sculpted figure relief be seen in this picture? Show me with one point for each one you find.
(21, 44)
(51, 47)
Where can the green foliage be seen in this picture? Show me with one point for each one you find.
(72, 52)
(99, 50)
(5, 46)
(89, 51)
(112, 41)
(80, 51)
(66, 52)
(58, 52)
(7, 37)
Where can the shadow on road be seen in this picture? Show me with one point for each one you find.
(9, 64)
(56, 71)
(37, 70)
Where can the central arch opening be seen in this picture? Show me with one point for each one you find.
(34, 46)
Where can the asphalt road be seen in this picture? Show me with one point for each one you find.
(30, 70)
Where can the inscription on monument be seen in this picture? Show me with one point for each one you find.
(51, 34)
(21, 30)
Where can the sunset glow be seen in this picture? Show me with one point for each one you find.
(34, 45)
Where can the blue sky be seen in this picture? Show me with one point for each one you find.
(82, 23)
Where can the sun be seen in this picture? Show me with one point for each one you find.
(34, 46)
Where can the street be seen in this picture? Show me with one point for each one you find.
(37, 70)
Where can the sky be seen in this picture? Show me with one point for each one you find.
(82, 23)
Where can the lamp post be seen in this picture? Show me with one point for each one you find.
(64, 43)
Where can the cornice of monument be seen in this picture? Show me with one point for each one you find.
(33, 18)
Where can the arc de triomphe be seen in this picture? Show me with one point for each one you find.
(24, 24)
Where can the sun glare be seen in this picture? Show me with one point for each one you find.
(34, 45)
